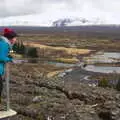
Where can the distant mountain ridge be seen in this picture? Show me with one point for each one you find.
(52, 21)
(76, 22)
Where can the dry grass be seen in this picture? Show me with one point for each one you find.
(16, 56)
(52, 74)
(36, 70)
(67, 60)
(70, 51)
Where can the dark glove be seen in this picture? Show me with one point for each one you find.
(10, 56)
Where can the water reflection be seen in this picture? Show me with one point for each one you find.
(102, 69)
(103, 57)
(58, 64)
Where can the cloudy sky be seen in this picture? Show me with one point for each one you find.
(107, 10)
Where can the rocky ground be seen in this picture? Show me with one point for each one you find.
(36, 97)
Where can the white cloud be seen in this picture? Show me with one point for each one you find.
(104, 9)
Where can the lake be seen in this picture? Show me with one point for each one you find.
(103, 57)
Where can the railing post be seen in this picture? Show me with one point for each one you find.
(7, 86)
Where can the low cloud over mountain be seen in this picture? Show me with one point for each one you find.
(59, 9)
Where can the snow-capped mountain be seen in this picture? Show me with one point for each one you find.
(48, 20)
(76, 22)
(49, 23)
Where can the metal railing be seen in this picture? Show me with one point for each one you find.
(7, 78)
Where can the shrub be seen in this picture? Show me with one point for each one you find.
(32, 52)
(103, 83)
(19, 48)
(118, 84)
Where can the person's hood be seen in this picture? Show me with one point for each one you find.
(7, 41)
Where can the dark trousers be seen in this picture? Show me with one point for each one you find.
(1, 85)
